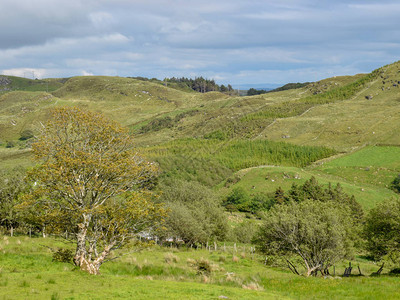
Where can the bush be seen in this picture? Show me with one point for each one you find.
(10, 144)
(240, 200)
(204, 266)
(170, 258)
(26, 135)
(245, 232)
(195, 215)
(63, 255)
(315, 231)
(382, 228)
(395, 184)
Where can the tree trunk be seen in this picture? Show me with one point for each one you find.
(311, 271)
(80, 253)
(86, 256)
(93, 266)
(12, 231)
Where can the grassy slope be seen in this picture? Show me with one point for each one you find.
(268, 179)
(27, 272)
(24, 84)
(343, 125)
(349, 124)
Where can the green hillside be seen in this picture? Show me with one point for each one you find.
(13, 83)
(223, 134)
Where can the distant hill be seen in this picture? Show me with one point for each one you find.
(257, 86)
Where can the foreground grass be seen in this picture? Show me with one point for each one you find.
(27, 272)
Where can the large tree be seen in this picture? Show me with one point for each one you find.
(13, 185)
(195, 215)
(89, 183)
(382, 231)
(313, 231)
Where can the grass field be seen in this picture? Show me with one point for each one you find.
(268, 179)
(27, 272)
(377, 166)
(366, 174)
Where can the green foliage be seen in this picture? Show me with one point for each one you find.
(86, 181)
(382, 231)
(245, 232)
(312, 190)
(253, 91)
(319, 225)
(10, 144)
(194, 213)
(240, 154)
(314, 231)
(166, 122)
(290, 86)
(26, 135)
(243, 202)
(208, 172)
(13, 185)
(199, 84)
(395, 184)
(63, 255)
(238, 196)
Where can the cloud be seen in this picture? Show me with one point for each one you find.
(25, 72)
(234, 41)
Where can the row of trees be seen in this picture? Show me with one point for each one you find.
(201, 84)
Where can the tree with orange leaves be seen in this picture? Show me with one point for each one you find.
(93, 184)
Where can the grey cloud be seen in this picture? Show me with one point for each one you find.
(26, 22)
(234, 40)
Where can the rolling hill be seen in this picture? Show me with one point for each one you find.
(213, 136)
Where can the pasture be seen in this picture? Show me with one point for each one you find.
(28, 272)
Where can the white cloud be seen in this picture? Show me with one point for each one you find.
(85, 73)
(25, 72)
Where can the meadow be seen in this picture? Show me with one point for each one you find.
(27, 271)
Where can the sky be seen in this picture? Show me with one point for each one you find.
(232, 41)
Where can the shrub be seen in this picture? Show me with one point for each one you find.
(26, 135)
(170, 258)
(245, 232)
(382, 229)
(315, 231)
(10, 144)
(395, 184)
(194, 213)
(204, 267)
(63, 255)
